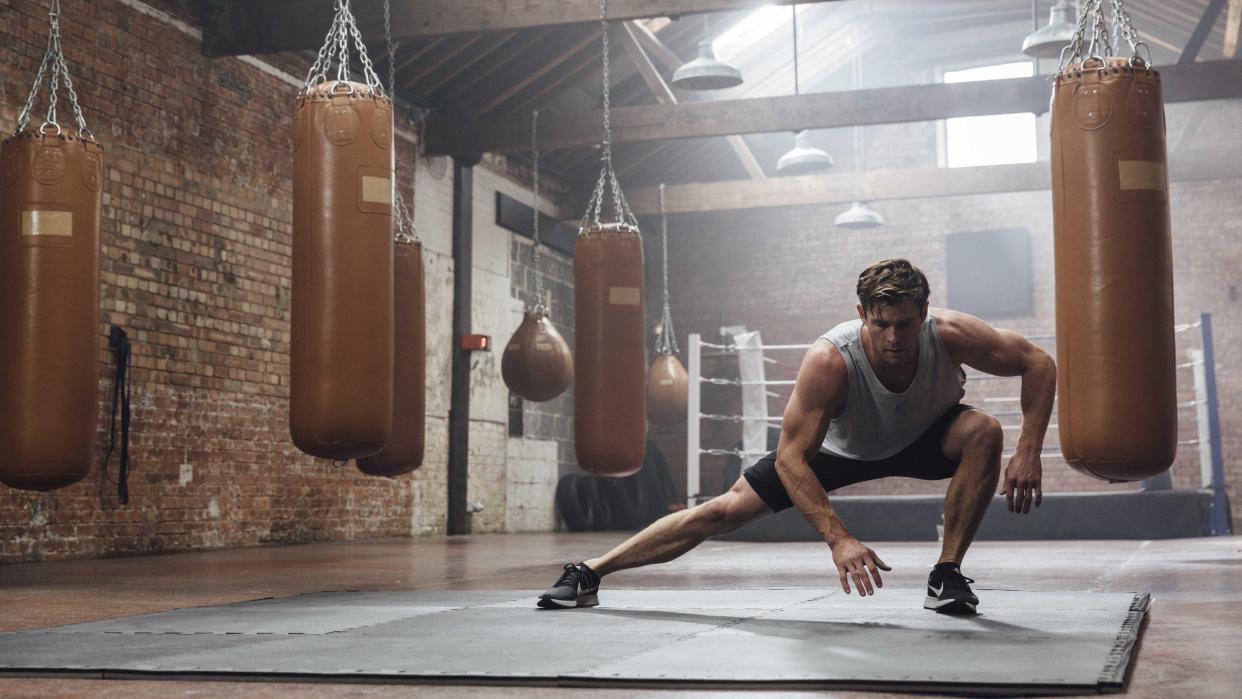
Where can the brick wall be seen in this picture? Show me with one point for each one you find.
(791, 274)
(196, 236)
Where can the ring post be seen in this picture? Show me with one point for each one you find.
(1221, 524)
(693, 353)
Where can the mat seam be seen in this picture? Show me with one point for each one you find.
(734, 622)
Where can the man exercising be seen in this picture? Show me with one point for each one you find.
(875, 397)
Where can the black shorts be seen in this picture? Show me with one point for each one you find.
(923, 459)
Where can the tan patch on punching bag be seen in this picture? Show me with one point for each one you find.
(374, 190)
(381, 128)
(90, 172)
(1141, 174)
(624, 295)
(37, 223)
(1093, 106)
(49, 166)
(544, 347)
(341, 125)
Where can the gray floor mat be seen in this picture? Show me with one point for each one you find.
(808, 638)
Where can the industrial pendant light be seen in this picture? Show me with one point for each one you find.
(1050, 40)
(705, 72)
(859, 215)
(804, 158)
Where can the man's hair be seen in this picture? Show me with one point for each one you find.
(889, 282)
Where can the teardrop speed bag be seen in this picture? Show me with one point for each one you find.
(50, 198)
(537, 364)
(667, 392)
(404, 451)
(1114, 271)
(610, 413)
(341, 368)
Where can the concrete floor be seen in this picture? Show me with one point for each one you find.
(1190, 647)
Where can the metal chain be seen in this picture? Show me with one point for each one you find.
(336, 48)
(794, 8)
(666, 340)
(1121, 19)
(1101, 45)
(392, 57)
(54, 57)
(607, 176)
(1094, 37)
(536, 254)
(407, 232)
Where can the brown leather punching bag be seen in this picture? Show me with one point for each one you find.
(537, 364)
(1114, 271)
(404, 452)
(667, 391)
(341, 369)
(50, 197)
(610, 413)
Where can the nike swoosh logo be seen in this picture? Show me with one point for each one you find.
(938, 592)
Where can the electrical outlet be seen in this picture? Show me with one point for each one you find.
(187, 473)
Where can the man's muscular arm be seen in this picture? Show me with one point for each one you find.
(1006, 353)
(818, 396)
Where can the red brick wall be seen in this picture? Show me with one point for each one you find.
(791, 275)
(195, 257)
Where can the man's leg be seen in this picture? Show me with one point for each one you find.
(675, 534)
(975, 440)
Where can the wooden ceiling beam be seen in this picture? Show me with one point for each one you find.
(890, 105)
(886, 185)
(1197, 38)
(241, 27)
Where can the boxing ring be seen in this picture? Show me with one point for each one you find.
(1198, 510)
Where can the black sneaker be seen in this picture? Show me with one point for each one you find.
(578, 586)
(948, 591)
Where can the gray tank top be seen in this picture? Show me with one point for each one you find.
(877, 423)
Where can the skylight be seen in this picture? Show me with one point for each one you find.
(990, 140)
(752, 29)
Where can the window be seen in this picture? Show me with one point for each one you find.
(988, 273)
(990, 140)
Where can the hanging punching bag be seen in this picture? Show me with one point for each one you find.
(610, 414)
(667, 383)
(537, 364)
(341, 368)
(667, 393)
(404, 451)
(1114, 271)
(50, 196)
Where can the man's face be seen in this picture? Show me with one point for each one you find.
(894, 331)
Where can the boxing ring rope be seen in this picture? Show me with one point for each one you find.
(1200, 360)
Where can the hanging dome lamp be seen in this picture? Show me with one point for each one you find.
(804, 158)
(706, 72)
(1049, 41)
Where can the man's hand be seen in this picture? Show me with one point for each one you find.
(1022, 483)
(856, 561)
